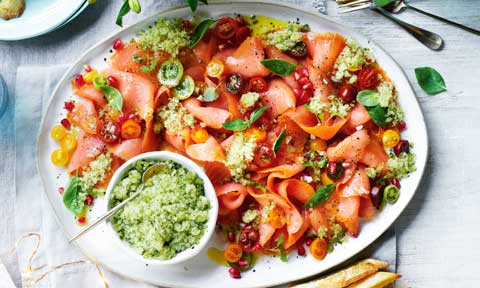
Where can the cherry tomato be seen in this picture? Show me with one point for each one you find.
(368, 78)
(59, 157)
(259, 134)
(276, 218)
(233, 253)
(241, 34)
(226, 28)
(264, 156)
(258, 84)
(390, 138)
(199, 135)
(234, 83)
(131, 129)
(58, 132)
(215, 68)
(318, 248)
(318, 145)
(108, 131)
(347, 93)
(402, 146)
(334, 170)
(68, 143)
(325, 179)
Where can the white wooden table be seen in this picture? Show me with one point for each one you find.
(438, 234)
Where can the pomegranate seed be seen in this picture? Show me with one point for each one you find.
(308, 86)
(304, 71)
(247, 228)
(402, 146)
(118, 44)
(112, 81)
(69, 105)
(402, 126)
(243, 263)
(82, 220)
(186, 24)
(231, 236)
(301, 250)
(396, 182)
(257, 247)
(303, 80)
(308, 242)
(79, 81)
(61, 190)
(297, 92)
(89, 200)
(87, 68)
(65, 123)
(234, 273)
(296, 75)
(305, 96)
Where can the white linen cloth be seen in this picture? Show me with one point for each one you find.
(34, 86)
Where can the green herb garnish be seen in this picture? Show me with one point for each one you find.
(430, 80)
(283, 255)
(240, 125)
(71, 196)
(279, 141)
(114, 97)
(321, 195)
(147, 70)
(367, 98)
(378, 115)
(123, 11)
(200, 31)
(279, 67)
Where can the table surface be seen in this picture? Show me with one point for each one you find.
(438, 232)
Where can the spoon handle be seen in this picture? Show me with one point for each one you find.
(107, 214)
(429, 39)
(474, 31)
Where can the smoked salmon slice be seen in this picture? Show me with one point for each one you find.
(84, 115)
(358, 185)
(279, 97)
(231, 195)
(127, 149)
(348, 214)
(274, 53)
(358, 115)
(322, 84)
(88, 148)
(309, 123)
(351, 148)
(374, 155)
(246, 59)
(210, 151)
(324, 49)
(212, 117)
(178, 140)
(89, 92)
(282, 171)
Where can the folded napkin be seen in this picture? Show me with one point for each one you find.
(34, 85)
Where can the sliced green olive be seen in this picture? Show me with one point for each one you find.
(391, 194)
(170, 72)
(185, 88)
(299, 50)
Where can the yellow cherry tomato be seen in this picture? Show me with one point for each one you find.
(59, 157)
(68, 143)
(318, 248)
(390, 138)
(325, 179)
(276, 218)
(260, 135)
(318, 145)
(58, 132)
(199, 135)
(215, 68)
(89, 76)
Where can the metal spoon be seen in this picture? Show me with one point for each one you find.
(400, 5)
(152, 170)
(429, 39)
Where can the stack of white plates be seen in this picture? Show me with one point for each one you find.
(41, 17)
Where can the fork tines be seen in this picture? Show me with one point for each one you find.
(350, 6)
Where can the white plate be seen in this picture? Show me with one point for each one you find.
(39, 17)
(201, 272)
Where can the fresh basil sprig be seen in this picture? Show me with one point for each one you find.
(279, 141)
(72, 194)
(430, 80)
(240, 125)
(369, 99)
(147, 70)
(279, 67)
(200, 31)
(194, 4)
(114, 97)
(321, 195)
(283, 255)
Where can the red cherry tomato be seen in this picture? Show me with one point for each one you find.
(264, 156)
(368, 78)
(258, 84)
(226, 28)
(242, 34)
(108, 131)
(347, 93)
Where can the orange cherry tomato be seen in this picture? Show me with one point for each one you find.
(275, 218)
(318, 145)
(258, 84)
(131, 129)
(233, 253)
(260, 135)
(199, 135)
(318, 248)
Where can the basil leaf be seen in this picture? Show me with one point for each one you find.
(257, 185)
(283, 255)
(430, 80)
(204, 2)
(209, 95)
(257, 114)
(200, 31)
(279, 141)
(135, 6)
(235, 125)
(113, 96)
(367, 98)
(71, 196)
(321, 195)
(378, 115)
(193, 4)
(123, 11)
(279, 67)
(147, 70)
